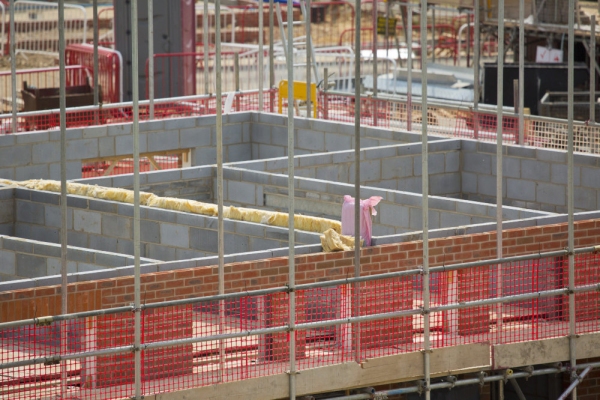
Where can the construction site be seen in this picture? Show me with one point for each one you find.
(178, 214)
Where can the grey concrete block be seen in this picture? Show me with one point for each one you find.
(26, 137)
(161, 141)
(414, 185)
(521, 189)
(394, 214)
(103, 243)
(45, 197)
(125, 246)
(337, 142)
(310, 140)
(232, 134)
(29, 212)
(590, 177)
(241, 192)
(77, 202)
(7, 173)
(478, 163)
(7, 193)
(238, 152)
(81, 255)
(585, 199)
(397, 167)
(74, 133)
(521, 151)
(472, 208)
(450, 220)
(8, 140)
(204, 156)
(236, 243)
(73, 170)
(77, 239)
(17, 155)
(24, 173)
(8, 262)
(48, 152)
(106, 147)
(103, 206)
(553, 156)
(204, 239)
(444, 184)
(180, 123)
(125, 209)
(86, 221)
(95, 132)
(149, 231)
(194, 137)
(116, 226)
(452, 161)
(155, 125)
(82, 148)
(486, 185)
(52, 217)
(159, 252)
(30, 266)
(551, 194)
(535, 170)
(174, 235)
(7, 212)
(47, 250)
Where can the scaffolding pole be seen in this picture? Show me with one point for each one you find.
(95, 83)
(309, 50)
(521, 87)
(571, 198)
(135, 91)
(151, 59)
(499, 122)
(357, 99)
(476, 56)
(13, 65)
(425, 203)
(291, 202)
(593, 69)
(220, 223)
(261, 56)
(205, 41)
(409, 65)
(64, 345)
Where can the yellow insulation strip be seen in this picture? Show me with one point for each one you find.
(301, 222)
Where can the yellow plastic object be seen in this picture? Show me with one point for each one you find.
(299, 93)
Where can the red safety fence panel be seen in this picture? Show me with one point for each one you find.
(110, 73)
(125, 166)
(587, 305)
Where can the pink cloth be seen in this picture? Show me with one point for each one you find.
(367, 209)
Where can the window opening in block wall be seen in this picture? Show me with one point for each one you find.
(119, 165)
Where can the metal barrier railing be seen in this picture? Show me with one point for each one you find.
(34, 20)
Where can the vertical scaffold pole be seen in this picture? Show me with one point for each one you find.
(13, 66)
(151, 59)
(291, 202)
(309, 49)
(356, 311)
(476, 55)
(135, 90)
(271, 50)
(63, 191)
(205, 39)
(570, 197)
(425, 211)
(96, 62)
(220, 224)
(409, 65)
(261, 56)
(499, 120)
(521, 72)
(593, 69)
